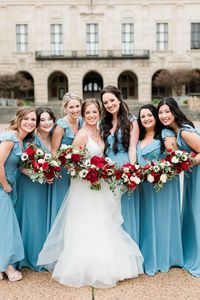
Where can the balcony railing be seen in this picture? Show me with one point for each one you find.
(74, 55)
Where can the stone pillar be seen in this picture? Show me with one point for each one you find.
(40, 89)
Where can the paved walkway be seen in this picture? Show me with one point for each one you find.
(176, 284)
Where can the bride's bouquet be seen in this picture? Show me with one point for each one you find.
(41, 166)
(97, 168)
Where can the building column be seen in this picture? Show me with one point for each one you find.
(40, 89)
(144, 90)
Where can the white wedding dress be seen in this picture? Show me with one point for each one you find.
(86, 245)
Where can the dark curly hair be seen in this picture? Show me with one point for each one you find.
(180, 117)
(123, 120)
(158, 126)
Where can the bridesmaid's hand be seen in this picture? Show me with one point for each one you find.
(50, 181)
(7, 188)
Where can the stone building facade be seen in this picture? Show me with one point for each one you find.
(81, 46)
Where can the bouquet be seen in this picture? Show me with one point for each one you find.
(97, 168)
(128, 177)
(158, 173)
(180, 159)
(72, 159)
(43, 167)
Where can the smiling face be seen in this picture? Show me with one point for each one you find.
(28, 122)
(46, 122)
(165, 115)
(147, 119)
(91, 114)
(111, 103)
(73, 108)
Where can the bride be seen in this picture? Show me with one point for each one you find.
(86, 245)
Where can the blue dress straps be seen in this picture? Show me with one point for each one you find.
(11, 249)
(191, 211)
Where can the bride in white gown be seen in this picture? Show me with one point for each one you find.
(86, 245)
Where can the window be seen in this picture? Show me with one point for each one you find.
(195, 36)
(127, 39)
(22, 37)
(92, 39)
(56, 39)
(162, 36)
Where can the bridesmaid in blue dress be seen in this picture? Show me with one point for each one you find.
(188, 138)
(34, 199)
(160, 226)
(64, 133)
(120, 134)
(11, 248)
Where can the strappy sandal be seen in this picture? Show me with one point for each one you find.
(14, 275)
(1, 276)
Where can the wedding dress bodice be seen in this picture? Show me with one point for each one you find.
(93, 147)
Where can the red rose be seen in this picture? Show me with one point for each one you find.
(98, 161)
(30, 151)
(92, 175)
(76, 157)
(45, 165)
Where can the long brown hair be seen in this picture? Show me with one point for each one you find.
(123, 120)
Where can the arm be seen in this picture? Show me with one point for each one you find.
(193, 141)
(56, 139)
(80, 139)
(5, 149)
(134, 136)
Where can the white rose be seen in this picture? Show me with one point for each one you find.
(54, 163)
(64, 147)
(135, 179)
(41, 161)
(163, 178)
(150, 178)
(24, 156)
(137, 166)
(175, 160)
(125, 177)
(126, 170)
(68, 156)
(109, 161)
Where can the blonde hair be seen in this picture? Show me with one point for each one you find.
(66, 98)
(20, 115)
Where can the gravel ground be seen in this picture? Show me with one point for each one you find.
(176, 284)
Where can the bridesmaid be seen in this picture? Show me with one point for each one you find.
(64, 133)
(11, 249)
(33, 207)
(188, 138)
(160, 227)
(120, 134)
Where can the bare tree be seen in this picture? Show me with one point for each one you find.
(176, 79)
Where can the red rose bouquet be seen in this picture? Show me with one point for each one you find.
(180, 160)
(42, 167)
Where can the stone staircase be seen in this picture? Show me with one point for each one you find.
(8, 112)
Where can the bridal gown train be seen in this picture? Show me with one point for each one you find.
(86, 245)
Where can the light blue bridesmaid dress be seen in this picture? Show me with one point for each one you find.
(129, 201)
(32, 209)
(160, 226)
(11, 246)
(191, 211)
(60, 186)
